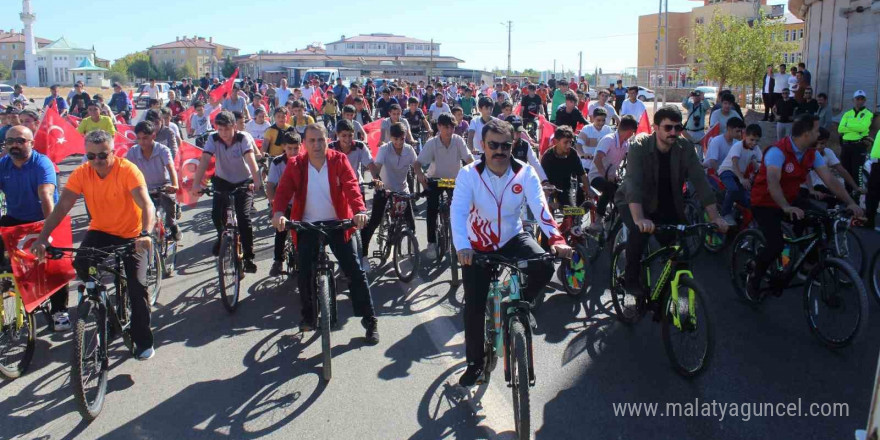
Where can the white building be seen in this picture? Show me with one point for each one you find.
(382, 45)
(55, 62)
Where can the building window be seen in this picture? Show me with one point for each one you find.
(182, 51)
(3, 46)
(785, 58)
(349, 45)
(786, 35)
(359, 46)
(409, 47)
(800, 34)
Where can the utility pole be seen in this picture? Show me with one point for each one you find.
(657, 51)
(431, 63)
(580, 64)
(666, 48)
(509, 25)
(554, 68)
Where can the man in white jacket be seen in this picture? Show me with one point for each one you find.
(485, 214)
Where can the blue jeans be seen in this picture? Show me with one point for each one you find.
(735, 193)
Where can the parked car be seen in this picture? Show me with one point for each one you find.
(6, 92)
(141, 99)
(756, 97)
(710, 94)
(645, 94)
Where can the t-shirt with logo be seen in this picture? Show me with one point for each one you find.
(109, 199)
(531, 106)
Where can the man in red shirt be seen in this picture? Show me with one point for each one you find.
(324, 187)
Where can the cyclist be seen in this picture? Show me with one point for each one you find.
(257, 127)
(29, 182)
(719, 146)
(233, 153)
(121, 213)
(416, 119)
(475, 129)
(393, 162)
(394, 116)
(785, 168)
(568, 114)
(299, 120)
(589, 136)
(522, 148)
(602, 102)
(657, 167)
(155, 162)
(348, 113)
(561, 163)
(819, 190)
(734, 167)
(461, 125)
(362, 115)
(358, 152)
(119, 102)
(323, 187)
(610, 152)
(164, 135)
(272, 135)
(532, 106)
(199, 123)
(443, 154)
(166, 121)
(467, 103)
(290, 142)
(485, 217)
(384, 103)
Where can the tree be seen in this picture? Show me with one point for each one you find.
(123, 65)
(142, 69)
(5, 72)
(228, 67)
(166, 71)
(762, 46)
(186, 71)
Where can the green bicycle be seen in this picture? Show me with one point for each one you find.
(675, 298)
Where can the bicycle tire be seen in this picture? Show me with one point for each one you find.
(874, 279)
(9, 322)
(519, 379)
(442, 239)
(453, 265)
(325, 320)
(89, 311)
(572, 273)
(154, 273)
(169, 262)
(626, 313)
(746, 247)
(229, 273)
(855, 252)
(837, 268)
(290, 259)
(693, 243)
(703, 322)
(406, 241)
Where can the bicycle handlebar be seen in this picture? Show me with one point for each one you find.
(323, 227)
(684, 228)
(243, 186)
(495, 259)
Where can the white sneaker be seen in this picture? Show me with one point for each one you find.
(432, 251)
(146, 354)
(61, 321)
(730, 220)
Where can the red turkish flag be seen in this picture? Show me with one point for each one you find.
(518, 109)
(188, 159)
(715, 130)
(133, 106)
(644, 125)
(74, 120)
(547, 130)
(214, 113)
(225, 88)
(56, 137)
(317, 100)
(489, 92)
(374, 135)
(37, 281)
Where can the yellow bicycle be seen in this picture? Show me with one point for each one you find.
(18, 333)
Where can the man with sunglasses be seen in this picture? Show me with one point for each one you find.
(485, 214)
(657, 167)
(121, 213)
(29, 182)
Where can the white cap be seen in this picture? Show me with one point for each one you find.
(859, 93)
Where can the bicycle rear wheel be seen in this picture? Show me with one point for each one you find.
(325, 322)
(406, 256)
(89, 366)
(746, 247)
(519, 379)
(625, 303)
(154, 273)
(169, 257)
(442, 239)
(690, 344)
(875, 275)
(850, 249)
(834, 296)
(229, 271)
(572, 273)
(17, 337)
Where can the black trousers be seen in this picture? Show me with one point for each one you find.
(136, 276)
(380, 200)
(58, 300)
(769, 100)
(607, 188)
(349, 262)
(636, 240)
(852, 157)
(434, 209)
(280, 240)
(872, 200)
(244, 203)
(770, 223)
(476, 291)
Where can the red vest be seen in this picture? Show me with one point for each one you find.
(794, 174)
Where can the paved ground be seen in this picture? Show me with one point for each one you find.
(253, 375)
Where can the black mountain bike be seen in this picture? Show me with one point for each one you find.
(229, 259)
(103, 314)
(165, 246)
(445, 246)
(323, 285)
(395, 235)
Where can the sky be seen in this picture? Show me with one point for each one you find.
(607, 35)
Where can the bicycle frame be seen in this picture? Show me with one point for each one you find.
(679, 268)
(323, 266)
(19, 304)
(503, 313)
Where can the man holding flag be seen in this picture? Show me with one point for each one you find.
(29, 182)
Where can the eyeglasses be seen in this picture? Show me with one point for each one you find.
(672, 127)
(502, 145)
(102, 155)
(17, 141)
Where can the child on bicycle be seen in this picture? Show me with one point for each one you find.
(734, 171)
(290, 142)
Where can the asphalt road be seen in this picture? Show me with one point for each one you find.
(253, 375)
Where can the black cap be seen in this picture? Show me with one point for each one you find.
(516, 121)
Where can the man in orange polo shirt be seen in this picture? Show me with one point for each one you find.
(116, 194)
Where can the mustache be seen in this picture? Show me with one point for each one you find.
(499, 156)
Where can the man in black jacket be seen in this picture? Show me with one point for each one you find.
(767, 93)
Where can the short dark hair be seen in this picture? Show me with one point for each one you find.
(289, 137)
(93, 103)
(153, 115)
(500, 127)
(349, 109)
(152, 102)
(145, 127)
(599, 111)
(165, 111)
(628, 122)
(393, 107)
(281, 109)
(397, 129)
(506, 104)
(344, 125)
(754, 130)
(563, 131)
(457, 109)
(570, 96)
(670, 112)
(238, 115)
(824, 134)
(728, 97)
(446, 119)
(295, 103)
(224, 118)
(198, 104)
(30, 113)
(803, 124)
(823, 96)
(413, 100)
(485, 101)
(735, 123)
(632, 89)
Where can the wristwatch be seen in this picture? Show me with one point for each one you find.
(144, 233)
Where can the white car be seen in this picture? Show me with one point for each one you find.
(142, 99)
(645, 94)
(6, 92)
(710, 94)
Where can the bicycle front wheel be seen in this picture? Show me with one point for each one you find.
(572, 273)
(835, 303)
(169, 258)
(323, 293)
(154, 273)
(229, 271)
(625, 303)
(688, 339)
(406, 256)
(875, 275)
(850, 249)
(17, 337)
(519, 379)
(89, 367)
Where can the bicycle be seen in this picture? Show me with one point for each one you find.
(165, 246)
(445, 246)
(229, 258)
(103, 314)
(323, 285)
(828, 276)
(394, 232)
(19, 330)
(509, 331)
(675, 298)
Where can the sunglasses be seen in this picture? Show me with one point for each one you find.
(102, 155)
(18, 141)
(502, 145)
(672, 127)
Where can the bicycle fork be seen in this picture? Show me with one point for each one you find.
(676, 305)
